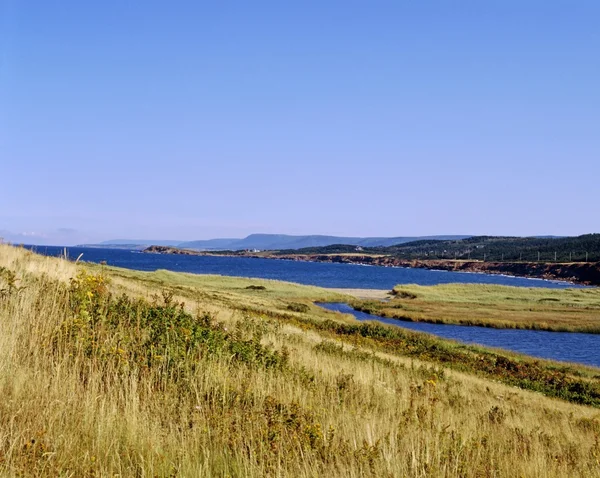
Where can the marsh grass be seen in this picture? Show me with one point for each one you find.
(561, 310)
(153, 383)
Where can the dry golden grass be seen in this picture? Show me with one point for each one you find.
(334, 409)
(569, 310)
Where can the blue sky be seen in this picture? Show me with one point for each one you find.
(190, 120)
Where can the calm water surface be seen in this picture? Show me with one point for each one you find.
(567, 347)
(311, 273)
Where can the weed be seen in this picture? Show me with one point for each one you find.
(8, 282)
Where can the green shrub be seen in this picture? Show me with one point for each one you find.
(403, 294)
(298, 307)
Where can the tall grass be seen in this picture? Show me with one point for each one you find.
(94, 383)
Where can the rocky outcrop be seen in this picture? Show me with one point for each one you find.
(170, 250)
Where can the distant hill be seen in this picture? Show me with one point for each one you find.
(490, 248)
(284, 241)
(128, 247)
(270, 242)
(140, 242)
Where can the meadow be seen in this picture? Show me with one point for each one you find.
(561, 310)
(111, 372)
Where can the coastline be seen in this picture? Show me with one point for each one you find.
(583, 273)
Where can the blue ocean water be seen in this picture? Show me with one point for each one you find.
(311, 273)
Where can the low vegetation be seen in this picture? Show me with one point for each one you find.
(110, 372)
(564, 310)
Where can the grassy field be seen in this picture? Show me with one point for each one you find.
(567, 310)
(110, 372)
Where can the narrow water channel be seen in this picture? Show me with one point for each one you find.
(563, 346)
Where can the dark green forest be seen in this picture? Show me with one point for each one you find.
(488, 248)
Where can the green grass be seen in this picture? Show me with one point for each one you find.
(567, 310)
(224, 285)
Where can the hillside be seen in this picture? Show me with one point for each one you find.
(488, 248)
(114, 372)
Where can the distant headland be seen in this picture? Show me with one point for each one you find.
(575, 259)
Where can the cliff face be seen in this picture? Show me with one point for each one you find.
(582, 273)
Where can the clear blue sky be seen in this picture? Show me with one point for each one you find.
(191, 120)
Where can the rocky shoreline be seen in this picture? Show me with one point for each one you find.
(586, 273)
(580, 273)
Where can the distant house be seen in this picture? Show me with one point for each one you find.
(358, 248)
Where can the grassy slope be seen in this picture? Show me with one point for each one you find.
(302, 400)
(570, 310)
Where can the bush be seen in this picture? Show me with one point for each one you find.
(298, 307)
(403, 294)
